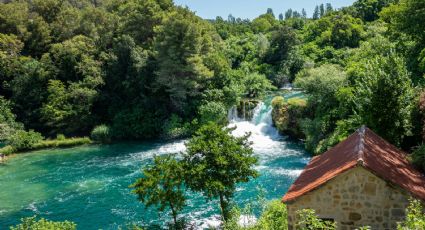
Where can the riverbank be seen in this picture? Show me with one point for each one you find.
(8, 150)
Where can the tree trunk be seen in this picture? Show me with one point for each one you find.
(174, 213)
(223, 207)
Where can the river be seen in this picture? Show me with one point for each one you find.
(89, 184)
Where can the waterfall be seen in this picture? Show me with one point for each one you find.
(263, 134)
(232, 114)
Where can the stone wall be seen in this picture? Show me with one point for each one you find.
(353, 199)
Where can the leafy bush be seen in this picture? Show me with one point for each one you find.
(212, 112)
(418, 157)
(415, 217)
(31, 223)
(23, 140)
(174, 128)
(101, 133)
(310, 221)
(286, 115)
(6, 150)
(60, 137)
(274, 217)
(256, 85)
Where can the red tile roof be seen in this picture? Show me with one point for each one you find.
(363, 148)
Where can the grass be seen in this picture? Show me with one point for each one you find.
(45, 144)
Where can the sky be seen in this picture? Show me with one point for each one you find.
(209, 9)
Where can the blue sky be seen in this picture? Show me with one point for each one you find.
(209, 9)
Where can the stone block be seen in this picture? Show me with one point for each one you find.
(354, 216)
(369, 189)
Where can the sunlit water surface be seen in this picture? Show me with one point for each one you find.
(89, 185)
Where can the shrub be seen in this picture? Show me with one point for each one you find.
(415, 217)
(23, 140)
(60, 137)
(212, 112)
(101, 134)
(418, 157)
(286, 115)
(274, 217)
(6, 150)
(30, 223)
(174, 128)
(309, 220)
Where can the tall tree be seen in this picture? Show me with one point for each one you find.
(304, 13)
(316, 14)
(288, 14)
(386, 97)
(270, 11)
(182, 45)
(215, 162)
(329, 8)
(322, 10)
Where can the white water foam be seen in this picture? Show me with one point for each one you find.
(263, 135)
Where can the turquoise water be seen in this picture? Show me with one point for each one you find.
(89, 184)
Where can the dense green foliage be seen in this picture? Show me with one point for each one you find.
(415, 217)
(31, 223)
(149, 69)
(215, 161)
(23, 140)
(286, 115)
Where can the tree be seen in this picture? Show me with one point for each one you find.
(162, 185)
(369, 10)
(329, 8)
(270, 12)
(183, 42)
(215, 162)
(256, 85)
(322, 10)
(385, 96)
(288, 14)
(322, 84)
(139, 18)
(316, 14)
(304, 13)
(281, 17)
(8, 124)
(403, 18)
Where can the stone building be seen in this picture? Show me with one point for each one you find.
(362, 181)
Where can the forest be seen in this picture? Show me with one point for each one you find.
(116, 70)
(134, 70)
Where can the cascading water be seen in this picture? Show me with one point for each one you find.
(263, 134)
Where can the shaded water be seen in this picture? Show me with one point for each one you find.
(89, 185)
